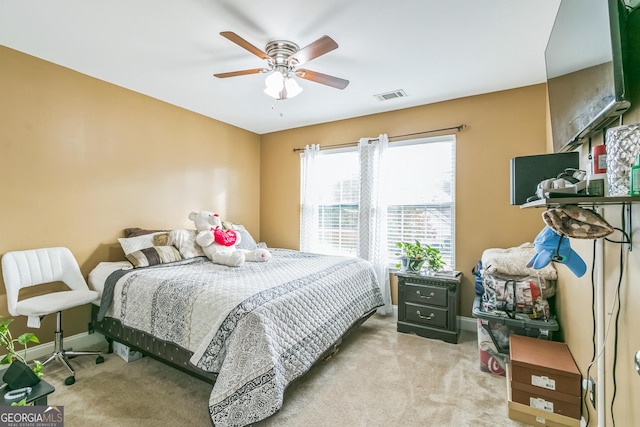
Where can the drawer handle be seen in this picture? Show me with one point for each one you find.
(429, 317)
(425, 296)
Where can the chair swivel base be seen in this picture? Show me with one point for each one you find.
(63, 356)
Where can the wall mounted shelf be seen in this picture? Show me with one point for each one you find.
(582, 201)
(588, 201)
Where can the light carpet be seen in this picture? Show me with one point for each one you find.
(379, 377)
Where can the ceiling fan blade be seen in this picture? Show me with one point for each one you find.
(244, 44)
(241, 73)
(319, 47)
(324, 79)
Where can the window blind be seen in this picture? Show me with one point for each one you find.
(419, 187)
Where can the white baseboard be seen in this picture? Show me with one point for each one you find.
(83, 341)
(468, 324)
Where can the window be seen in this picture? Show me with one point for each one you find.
(421, 195)
(419, 188)
(338, 202)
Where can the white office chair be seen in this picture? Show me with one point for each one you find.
(22, 269)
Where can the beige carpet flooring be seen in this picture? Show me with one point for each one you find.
(379, 377)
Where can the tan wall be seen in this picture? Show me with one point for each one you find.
(574, 308)
(82, 160)
(574, 295)
(500, 126)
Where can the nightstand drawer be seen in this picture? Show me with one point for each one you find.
(427, 315)
(425, 294)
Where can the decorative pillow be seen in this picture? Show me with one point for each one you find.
(132, 244)
(153, 256)
(135, 231)
(161, 239)
(246, 239)
(185, 241)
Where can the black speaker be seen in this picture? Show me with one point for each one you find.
(528, 171)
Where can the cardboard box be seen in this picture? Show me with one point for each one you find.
(532, 415)
(539, 417)
(125, 352)
(544, 364)
(546, 400)
(544, 376)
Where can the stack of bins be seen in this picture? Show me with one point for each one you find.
(494, 326)
(494, 332)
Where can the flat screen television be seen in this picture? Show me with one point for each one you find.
(585, 69)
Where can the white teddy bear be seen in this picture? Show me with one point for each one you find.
(219, 245)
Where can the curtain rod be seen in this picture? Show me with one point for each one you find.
(350, 144)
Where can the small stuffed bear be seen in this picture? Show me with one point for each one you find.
(220, 245)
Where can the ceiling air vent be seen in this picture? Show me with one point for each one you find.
(391, 95)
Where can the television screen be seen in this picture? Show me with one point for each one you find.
(584, 64)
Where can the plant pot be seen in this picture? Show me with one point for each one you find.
(19, 375)
(414, 265)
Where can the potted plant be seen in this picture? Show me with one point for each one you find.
(415, 255)
(19, 374)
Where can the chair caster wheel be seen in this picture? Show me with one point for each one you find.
(70, 380)
(99, 360)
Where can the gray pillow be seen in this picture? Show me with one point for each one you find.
(246, 239)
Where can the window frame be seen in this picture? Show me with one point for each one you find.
(450, 254)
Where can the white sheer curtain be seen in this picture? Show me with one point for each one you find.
(308, 198)
(372, 224)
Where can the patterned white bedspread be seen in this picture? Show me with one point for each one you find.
(259, 326)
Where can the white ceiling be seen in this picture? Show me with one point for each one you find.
(434, 50)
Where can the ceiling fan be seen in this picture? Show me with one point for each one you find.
(283, 57)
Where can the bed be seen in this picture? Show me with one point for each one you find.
(250, 331)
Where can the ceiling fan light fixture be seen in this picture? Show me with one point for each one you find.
(283, 57)
(273, 94)
(280, 86)
(274, 81)
(292, 87)
(274, 84)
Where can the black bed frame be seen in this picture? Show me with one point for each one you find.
(169, 353)
(147, 344)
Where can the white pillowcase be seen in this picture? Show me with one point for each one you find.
(132, 244)
(185, 241)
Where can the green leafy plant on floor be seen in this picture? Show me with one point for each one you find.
(13, 354)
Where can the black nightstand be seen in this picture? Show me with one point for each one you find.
(428, 305)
